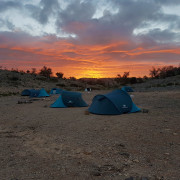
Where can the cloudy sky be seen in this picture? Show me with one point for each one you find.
(90, 38)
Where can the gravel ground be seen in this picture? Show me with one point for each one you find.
(42, 143)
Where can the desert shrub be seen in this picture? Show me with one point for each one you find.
(124, 79)
(154, 72)
(46, 72)
(59, 75)
(14, 76)
(9, 94)
(140, 80)
(74, 84)
(41, 78)
(60, 85)
(133, 80)
(21, 72)
(166, 71)
(14, 70)
(72, 78)
(98, 87)
(53, 79)
(33, 71)
(170, 84)
(91, 81)
(100, 82)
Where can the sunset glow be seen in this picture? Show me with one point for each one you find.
(88, 38)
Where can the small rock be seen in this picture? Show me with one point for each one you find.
(145, 111)
(130, 178)
(121, 145)
(86, 112)
(125, 154)
(136, 160)
(96, 173)
(175, 134)
(87, 152)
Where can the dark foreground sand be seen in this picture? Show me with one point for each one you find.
(38, 142)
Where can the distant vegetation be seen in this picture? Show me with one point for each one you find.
(20, 78)
(166, 71)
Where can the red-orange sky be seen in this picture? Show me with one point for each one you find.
(89, 39)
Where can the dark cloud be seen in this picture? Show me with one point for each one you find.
(136, 30)
(167, 2)
(77, 11)
(43, 10)
(48, 8)
(5, 5)
(77, 19)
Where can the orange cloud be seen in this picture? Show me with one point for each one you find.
(78, 60)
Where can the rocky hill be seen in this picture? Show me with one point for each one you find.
(13, 82)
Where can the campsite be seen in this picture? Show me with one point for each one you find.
(39, 142)
(90, 90)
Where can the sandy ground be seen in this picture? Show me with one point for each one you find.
(42, 143)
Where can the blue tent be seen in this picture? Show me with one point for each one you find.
(26, 92)
(56, 91)
(69, 99)
(113, 103)
(34, 93)
(58, 103)
(127, 89)
(43, 93)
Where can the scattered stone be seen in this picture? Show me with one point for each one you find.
(136, 160)
(145, 111)
(175, 134)
(130, 178)
(87, 152)
(137, 178)
(24, 101)
(86, 112)
(121, 145)
(125, 154)
(96, 173)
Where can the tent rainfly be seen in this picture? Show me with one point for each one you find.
(26, 92)
(39, 93)
(34, 93)
(69, 99)
(56, 91)
(114, 103)
(127, 89)
(43, 93)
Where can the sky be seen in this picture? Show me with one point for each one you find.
(90, 38)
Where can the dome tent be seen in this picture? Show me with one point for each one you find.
(39, 93)
(56, 91)
(114, 103)
(69, 99)
(43, 93)
(127, 89)
(34, 93)
(26, 92)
